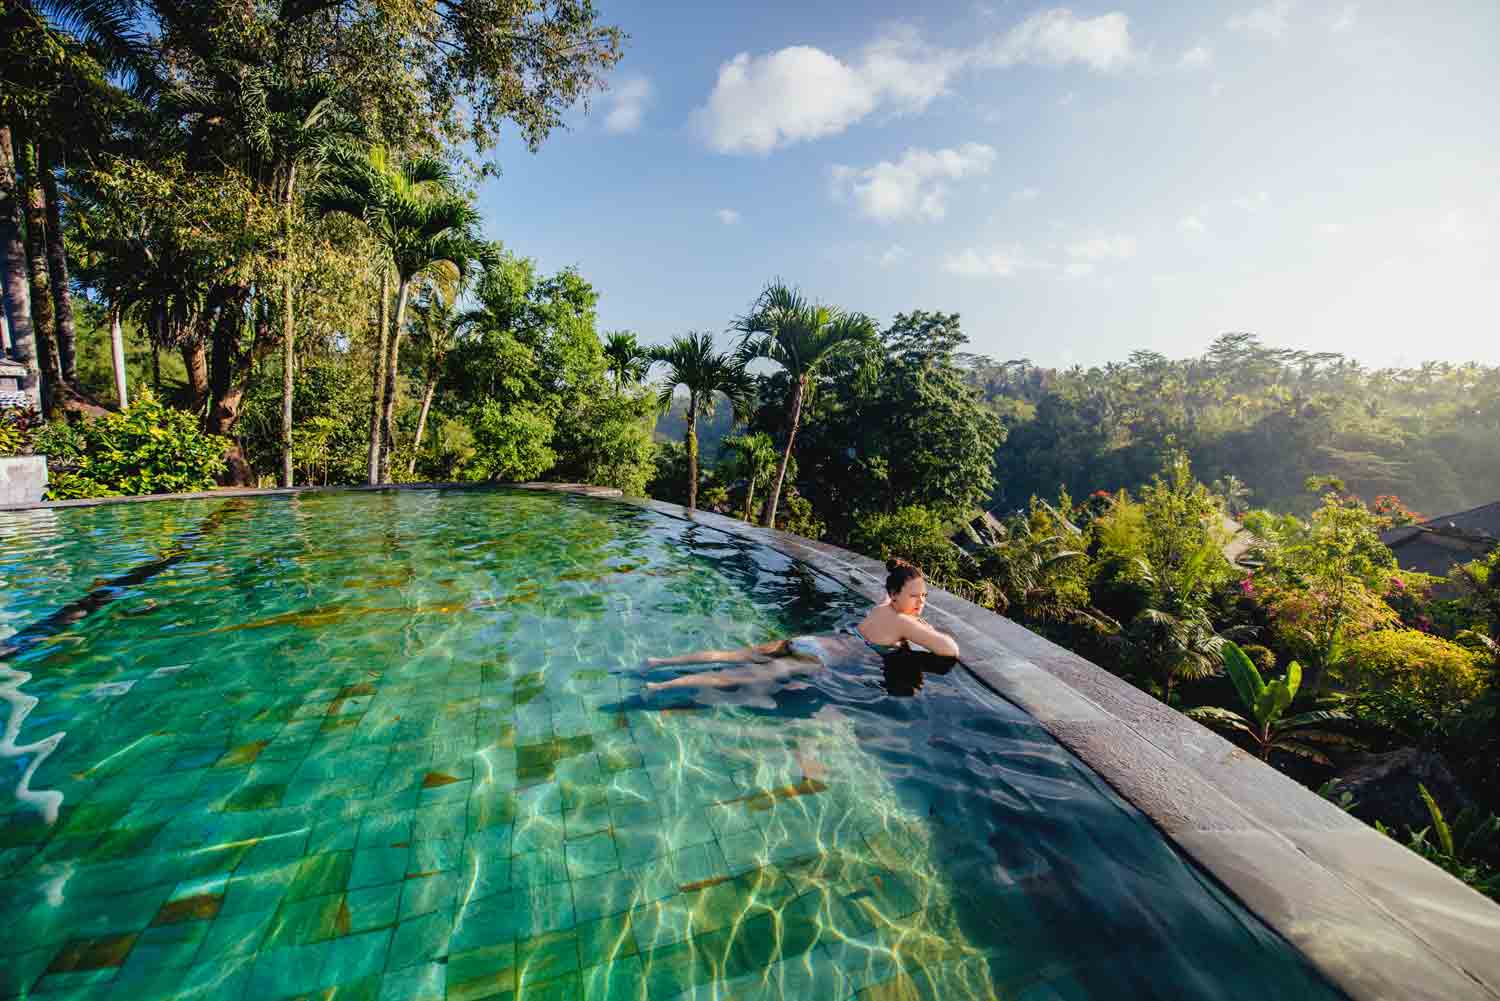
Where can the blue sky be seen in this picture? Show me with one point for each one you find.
(1076, 182)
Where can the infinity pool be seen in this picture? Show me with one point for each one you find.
(395, 745)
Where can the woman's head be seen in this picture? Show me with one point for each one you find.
(906, 586)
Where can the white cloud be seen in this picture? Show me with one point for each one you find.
(1058, 37)
(1191, 226)
(1330, 228)
(627, 105)
(800, 93)
(894, 255)
(1345, 18)
(728, 216)
(973, 263)
(914, 186)
(1268, 21)
(1084, 255)
(1025, 195)
(1257, 201)
(1197, 57)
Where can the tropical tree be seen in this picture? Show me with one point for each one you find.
(755, 461)
(693, 363)
(801, 337)
(625, 359)
(434, 329)
(1266, 703)
(423, 226)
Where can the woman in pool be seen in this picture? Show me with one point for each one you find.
(894, 625)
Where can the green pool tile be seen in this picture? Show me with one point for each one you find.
(538, 800)
(699, 866)
(382, 830)
(366, 988)
(746, 851)
(202, 906)
(538, 833)
(441, 820)
(591, 855)
(424, 894)
(303, 922)
(864, 961)
(233, 936)
(420, 939)
(321, 874)
(373, 907)
(540, 868)
(287, 972)
(256, 797)
(673, 969)
(482, 973)
(687, 828)
(582, 770)
(753, 944)
(622, 979)
(93, 817)
(77, 984)
(635, 812)
(377, 866)
(546, 957)
(434, 855)
(92, 953)
(607, 938)
(517, 914)
(639, 844)
(427, 982)
(661, 923)
(164, 947)
(620, 759)
(335, 835)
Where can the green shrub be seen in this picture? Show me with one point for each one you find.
(512, 444)
(1262, 657)
(911, 533)
(148, 449)
(17, 427)
(1412, 682)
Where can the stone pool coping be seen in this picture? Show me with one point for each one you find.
(1375, 919)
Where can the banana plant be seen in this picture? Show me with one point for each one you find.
(1266, 701)
(1466, 848)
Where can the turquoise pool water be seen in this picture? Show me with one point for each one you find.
(395, 745)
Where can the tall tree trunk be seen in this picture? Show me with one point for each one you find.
(750, 500)
(794, 419)
(232, 372)
(117, 354)
(62, 294)
(17, 303)
(388, 410)
(155, 368)
(288, 334)
(377, 396)
(4, 326)
(42, 317)
(691, 439)
(416, 445)
(195, 358)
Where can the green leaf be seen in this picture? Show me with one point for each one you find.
(1444, 835)
(1242, 671)
(1293, 678)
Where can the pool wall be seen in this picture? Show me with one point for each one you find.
(1377, 920)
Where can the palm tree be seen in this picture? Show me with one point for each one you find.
(1173, 647)
(424, 227)
(17, 291)
(625, 359)
(292, 128)
(692, 362)
(1265, 701)
(800, 336)
(755, 460)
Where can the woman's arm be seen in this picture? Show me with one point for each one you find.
(914, 630)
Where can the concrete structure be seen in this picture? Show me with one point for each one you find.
(12, 374)
(1378, 921)
(23, 480)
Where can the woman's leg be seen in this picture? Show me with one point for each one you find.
(772, 670)
(771, 649)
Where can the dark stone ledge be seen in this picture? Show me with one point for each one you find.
(1378, 921)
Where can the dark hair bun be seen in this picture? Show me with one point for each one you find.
(898, 572)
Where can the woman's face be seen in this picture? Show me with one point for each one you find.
(912, 598)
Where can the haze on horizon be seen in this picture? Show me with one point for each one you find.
(1076, 182)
